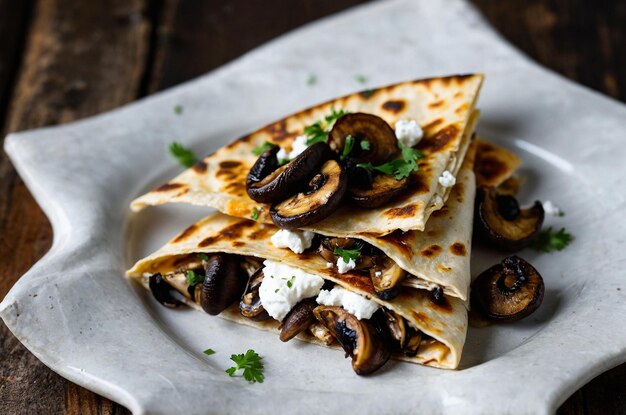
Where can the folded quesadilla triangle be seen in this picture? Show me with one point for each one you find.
(445, 322)
(444, 107)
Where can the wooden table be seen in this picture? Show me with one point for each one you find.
(61, 60)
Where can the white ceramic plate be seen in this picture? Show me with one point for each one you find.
(78, 314)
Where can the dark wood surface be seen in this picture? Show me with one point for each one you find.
(61, 60)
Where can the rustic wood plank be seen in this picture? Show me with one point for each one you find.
(81, 58)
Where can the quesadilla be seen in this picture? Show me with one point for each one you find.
(442, 108)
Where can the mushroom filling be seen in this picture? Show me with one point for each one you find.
(218, 281)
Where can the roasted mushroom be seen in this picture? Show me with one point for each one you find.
(397, 328)
(250, 305)
(414, 340)
(501, 222)
(299, 319)
(382, 142)
(224, 283)
(267, 186)
(508, 291)
(320, 332)
(162, 291)
(320, 199)
(383, 189)
(358, 338)
(387, 280)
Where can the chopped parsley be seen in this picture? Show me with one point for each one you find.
(549, 240)
(360, 78)
(365, 145)
(193, 278)
(290, 281)
(399, 168)
(262, 148)
(367, 93)
(185, 157)
(178, 109)
(347, 146)
(203, 256)
(347, 254)
(209, 352)
(255, 214)
(311, 80)
(318, 131)
(250, 363)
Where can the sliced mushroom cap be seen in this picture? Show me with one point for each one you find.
(250, 305)
(162, 291)
(364, 127)
(387, 280)
(383, 189)
(508, 291)
(358, 338)
(284, 181)
(323, 196)
(398, 329)
(320, 332)
(414, 340)
(224, 283)
(501, 222)
(299, 319)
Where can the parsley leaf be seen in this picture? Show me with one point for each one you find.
(365, 145)
(400, 168)
(260, 149)
(290, 281)
(347, 147)
(255, 214)
(178, 109)
(318, 131)
(311, 80)
(209, 352)
(184, 156)
(203, 256)
(193, 278)
(549, 240)
(250, 363)
(360, 78)
(347, 254)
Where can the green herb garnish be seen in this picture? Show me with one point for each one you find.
(360, 78)
(318, 131)
(178, 109)
(549, 240)
(400, 168)
(365, 145)
(311, 80)
(193, 278)
(255, 214)
(290, 281)
(347, 254)
(250, 363)
(203, 256)
(260, 149)
(209, 352)
(347, 146)
(184, 156)
(367, 93)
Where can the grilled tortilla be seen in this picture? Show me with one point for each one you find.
(444, 107)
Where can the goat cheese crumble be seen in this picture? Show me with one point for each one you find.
(296, 240)
(447, 179)
(297, 147)
(343, 266)
(283, 287)
(353, 303)
(409, 132)
(552, 209)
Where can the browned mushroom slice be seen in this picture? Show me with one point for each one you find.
(508, 291)
(266, 186)
(382, 142)
(162, 291)
(250, 305)
(398, 328)
(384, 189)
(387, 280)
(414, 340)
(299, 319)
(224, 283)
(320, 332)
(323, 196)
(501, 222)
(358, 338)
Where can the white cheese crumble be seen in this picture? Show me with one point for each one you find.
(329, 265)
(552, 209)
(297, 241)
(283, 287)
(298, 146)
(378, 273)
(437, 201)
(282, 154)
(409, 132)
(353, 303)
(343, 266)
(447, 179)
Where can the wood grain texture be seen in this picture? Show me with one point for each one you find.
(82, 58)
